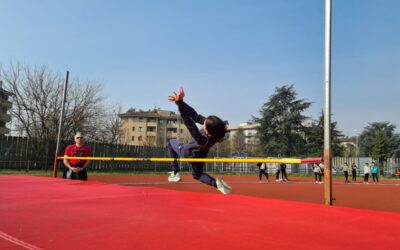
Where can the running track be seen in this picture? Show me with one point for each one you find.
(47, 213)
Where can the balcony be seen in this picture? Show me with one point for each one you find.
(152, 124)
(151, 133)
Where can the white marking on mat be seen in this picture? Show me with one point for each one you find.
(18, 242)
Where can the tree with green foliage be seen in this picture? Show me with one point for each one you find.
(380, 149)
(315, 138)
(281, 131)
(368, 137)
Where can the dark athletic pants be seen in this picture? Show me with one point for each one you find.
(76, 176)
(317, 176)
(346, 176)
(375, 177)
(354, 175)
(263, 172)
(175, 148)
(284, 175)
(366, 177)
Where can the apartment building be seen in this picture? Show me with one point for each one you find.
(249, 130)
(5, 105)
(151, 128)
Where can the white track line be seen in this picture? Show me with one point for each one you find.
(18, 242)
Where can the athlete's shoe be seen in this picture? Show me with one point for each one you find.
(223, 187)
(174, 177)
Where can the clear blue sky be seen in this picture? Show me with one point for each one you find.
(228, 55)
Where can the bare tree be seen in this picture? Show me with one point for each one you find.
(37, 104)
(239, 142)
(110, 128)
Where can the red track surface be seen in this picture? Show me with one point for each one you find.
(384, 197)
(58, 214)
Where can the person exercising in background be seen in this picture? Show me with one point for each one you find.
(213, 131)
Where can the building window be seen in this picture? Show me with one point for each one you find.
(133, 128)
(161, 121)
(151, 129)
(171, 130)
(133, 138)
(139, 138)
(140, 129)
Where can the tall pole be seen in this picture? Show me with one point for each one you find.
(327, 113)
(55, 166)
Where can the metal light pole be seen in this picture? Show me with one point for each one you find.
(327, 111)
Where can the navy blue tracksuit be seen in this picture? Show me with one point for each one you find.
(198, 147)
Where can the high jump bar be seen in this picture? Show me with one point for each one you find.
(227, 160)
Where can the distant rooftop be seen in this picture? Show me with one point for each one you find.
(155, 113)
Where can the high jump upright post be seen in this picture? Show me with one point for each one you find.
(55, 166)
(327, 112)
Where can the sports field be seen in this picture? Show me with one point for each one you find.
(145, 212)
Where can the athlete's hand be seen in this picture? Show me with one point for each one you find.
(177, 96)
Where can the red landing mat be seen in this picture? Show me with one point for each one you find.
(47, 213)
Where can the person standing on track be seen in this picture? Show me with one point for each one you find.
(367, 170)
(317, 173)
(375, 172)
(283, 171)
(322, 166)
(77, 169)
(278, 172)
(263, 170)
(354, 169)
(346, 172)
(213, 131)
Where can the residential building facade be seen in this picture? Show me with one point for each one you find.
(249, 131)
(151, 128)
(5, 105)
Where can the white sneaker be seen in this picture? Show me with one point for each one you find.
(223, 187)
(174, 177)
